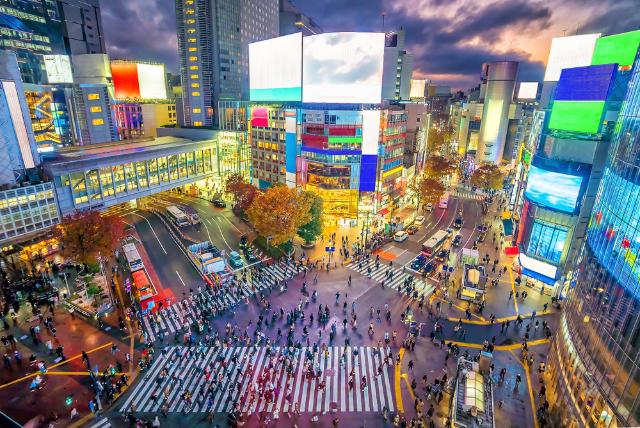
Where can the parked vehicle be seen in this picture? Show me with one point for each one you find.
(219, 203)
(419, 220)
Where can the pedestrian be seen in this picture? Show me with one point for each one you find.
(410, 365)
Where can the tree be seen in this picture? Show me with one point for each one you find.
(279, 212)
(426, 190)
(243, 192)
(311, 230)
(84, 235)
(488, 176)
(437, 166)
(438, 140)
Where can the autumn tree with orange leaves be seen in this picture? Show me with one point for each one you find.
(278, 212)
(242, 191)
(84, 235)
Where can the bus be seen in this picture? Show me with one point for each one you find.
(133, 257)
(177, 216)
(444, 200)
(435, 243)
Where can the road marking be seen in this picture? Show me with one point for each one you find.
(513, 289)
(398, 390)
(525, 366)
(512, 347)
(222, 235)
(180, 278)
(405, 377)
(154, 232)
(234, 226)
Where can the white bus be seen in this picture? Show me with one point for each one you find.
(435, 243)
(133, 257)
(444, 200)
(177, 216)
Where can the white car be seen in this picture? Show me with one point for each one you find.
(429, 207)
(400, 236)
(419, 220)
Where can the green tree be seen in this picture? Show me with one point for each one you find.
(311, 230)
(84, 235)
(426, 190)
(488, 177)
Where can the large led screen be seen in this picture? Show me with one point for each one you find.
(567, 52)
(577, 116)
(275, 69)
(528, 91)
(58, 68)
(537, 266)
(617, 49)
(152, 81)
(342, 68)
(585, 83)
(125, 80)
(553, 190)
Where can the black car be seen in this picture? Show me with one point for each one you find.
(219, 203)
(442, 255)
(418, 262)
(457, 241)
(250, 255)
(458, 223)
(429, 267)
(481, 237)
(244, 239)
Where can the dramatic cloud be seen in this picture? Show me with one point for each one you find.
(449, 38)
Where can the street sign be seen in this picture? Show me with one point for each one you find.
(330, 249)
(444, 267)
(451, 269)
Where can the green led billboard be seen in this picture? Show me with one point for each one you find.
(577, 116)
(617, 49)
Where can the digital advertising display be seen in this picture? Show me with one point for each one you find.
(589, 83)
(58, 68)
(528, 91)
(342, 68)
(152, 81)
(617, 49)
(553, 190)
(537, 266)
(370, 131)
(417, 88)
(275, 69)
(577, 116)
(567, 52)
(125, 80)
(132, 80)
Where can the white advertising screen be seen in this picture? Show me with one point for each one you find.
(152, 80)
(569, 52)
(528, 90)
(58, 68)
(370, 131)
(417, 88)
(275, 69)
(538, 266)
(342, 68)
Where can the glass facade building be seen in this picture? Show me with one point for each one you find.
(28, 209)
(594, 362)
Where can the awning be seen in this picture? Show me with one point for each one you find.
(383, 212)
(507, 225)
(538, 276)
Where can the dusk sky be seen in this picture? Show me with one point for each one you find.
(449, 38)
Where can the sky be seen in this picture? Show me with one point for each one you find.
(450, 39)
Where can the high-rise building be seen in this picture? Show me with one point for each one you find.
(81, 26)
(292, 20)
(594, 361)
(213, 38)
(398, 67)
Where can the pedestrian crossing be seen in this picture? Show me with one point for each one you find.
(467, 194)
(257, 379)
(397, 281)
(172, 318)
(101, 423)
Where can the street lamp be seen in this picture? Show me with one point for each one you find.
(301, 24)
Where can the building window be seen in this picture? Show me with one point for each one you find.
(191, 30)
(189, 11)
(195, 85)
(195, 76)
(196, 110)
(197, 123)
(191, 40)
(98, 121)
(96, 109)
(547, 240)
(191, 21)
(193, 58)
(195, 94)
(193, 49)
(93, 97)
(194, 67)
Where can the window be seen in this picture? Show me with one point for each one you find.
(93, 97)
(194, 67)
(547, 240)
(189, 11)
(196, 110)
(193, 49)
(195, 85)
(96, 109)
(195, 94)
(191, 40)
(98, 121)
(191, 30)
(194, 76)
(197, 123)
(191, 21)
(193, 58)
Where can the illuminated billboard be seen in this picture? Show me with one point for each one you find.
(590, 83)
(275, 69)
(342, 68)
(417, 88)
(617, 49)
(553, 190)
(567, 52)
(537, 266)
(528, 91)
(577, 116)
(58, 68)
(137, 80)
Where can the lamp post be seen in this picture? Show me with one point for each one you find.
(301, 24)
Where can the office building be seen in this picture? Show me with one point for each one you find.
(501, 79)
(95, 116)
(292, 20)
(398, 67)
(81, 26)
(92, 69)
(213, 38)
(593, 364)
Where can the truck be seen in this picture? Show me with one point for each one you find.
(206, 257)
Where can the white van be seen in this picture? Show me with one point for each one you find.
(400, 236)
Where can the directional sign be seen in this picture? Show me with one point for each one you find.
(330, 249)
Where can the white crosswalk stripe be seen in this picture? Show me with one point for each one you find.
(467, 194)
(397, 280)
(246, 372)
(172, 318)
(101, 423)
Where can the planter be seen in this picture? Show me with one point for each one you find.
(308, 245)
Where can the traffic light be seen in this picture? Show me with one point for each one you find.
(68, 400)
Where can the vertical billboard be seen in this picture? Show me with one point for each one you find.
(567, 52)
(275, 69)
(342, 68)
(58, 68)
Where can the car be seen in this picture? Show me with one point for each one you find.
(429, 267)
(400, 236)
(250, 255)
(418, 262)
(419, 220)
(235, 260)
(429, 207)
(411, 230)
(244, 239)
(442, 255)
(458, 222)
(457, 241)
(482, 228)
(219, 203)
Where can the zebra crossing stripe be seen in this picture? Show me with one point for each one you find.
(101, 423)
(143, 386)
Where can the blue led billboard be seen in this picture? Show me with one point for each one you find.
(585, 83)
(553, 190)
(368, 168)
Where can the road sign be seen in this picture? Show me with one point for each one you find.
(330, 249)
